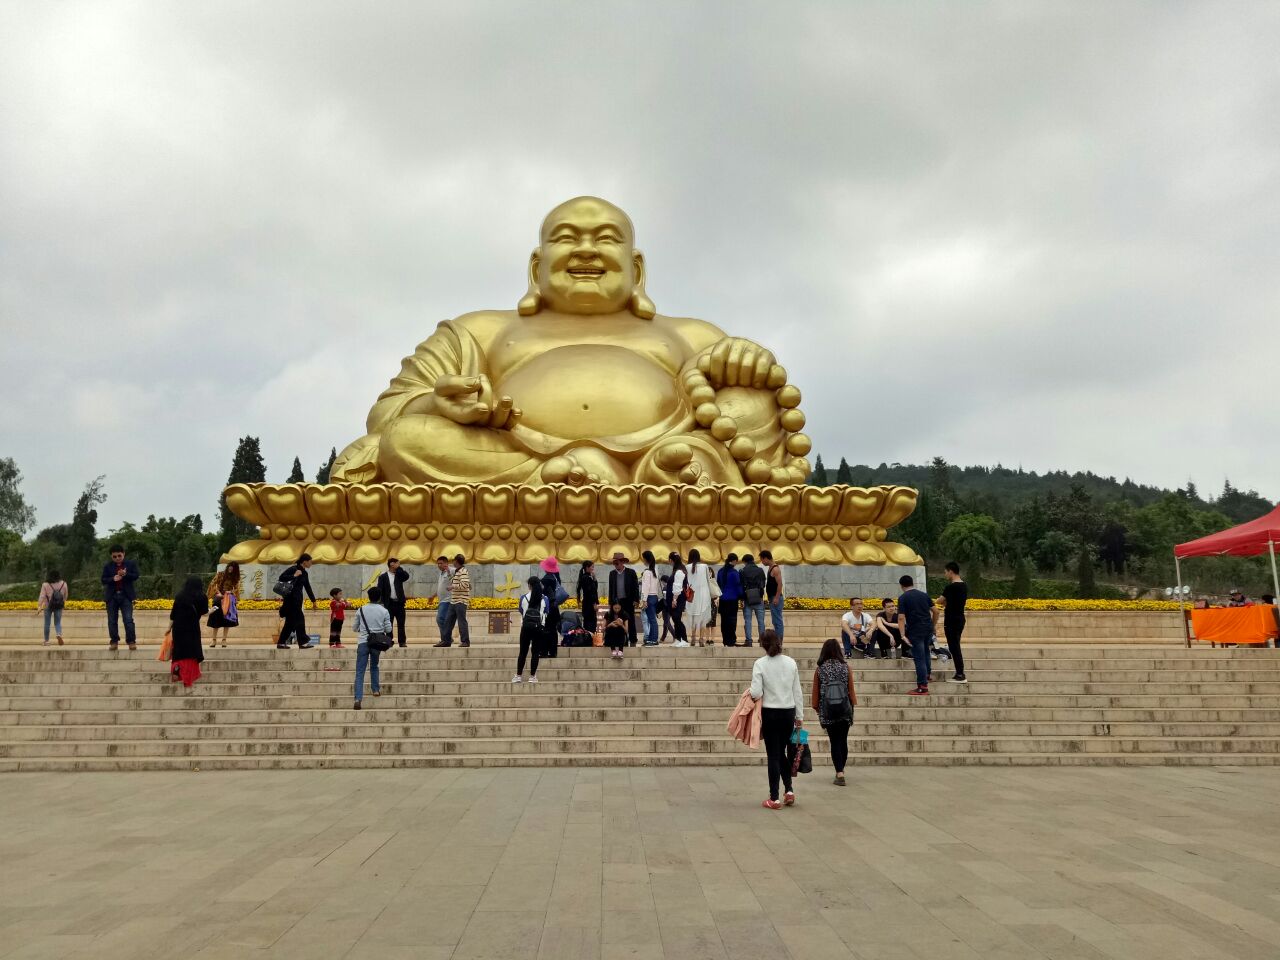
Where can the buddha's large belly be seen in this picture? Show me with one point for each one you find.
(587, 391)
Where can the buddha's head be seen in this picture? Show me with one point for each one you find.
(586, 262)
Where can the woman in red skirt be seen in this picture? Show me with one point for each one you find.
(185, 616)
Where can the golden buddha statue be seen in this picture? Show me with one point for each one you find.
(583, 384)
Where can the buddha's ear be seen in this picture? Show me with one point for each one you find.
(640, 304)
(531, 302)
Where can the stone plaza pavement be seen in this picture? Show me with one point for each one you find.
(482, 864)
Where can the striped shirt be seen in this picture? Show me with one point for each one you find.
(460, 586)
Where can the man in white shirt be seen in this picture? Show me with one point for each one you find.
(854, 627)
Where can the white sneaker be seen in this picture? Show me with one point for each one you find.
(533, 679)
(517, 679)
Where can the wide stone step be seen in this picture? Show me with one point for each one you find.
(369, 725)
(934, 712)
(634, 745)
(211, 763)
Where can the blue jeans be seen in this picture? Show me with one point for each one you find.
(747, 610)
(366, 657)
(920, 654)
(56, 615)
(651, 621)
(120, 606)
(442, 621)
(775, 614)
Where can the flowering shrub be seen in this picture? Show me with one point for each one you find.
(792, 603)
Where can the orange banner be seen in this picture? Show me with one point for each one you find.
(1256, 624)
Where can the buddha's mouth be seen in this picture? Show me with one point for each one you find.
(586, 273)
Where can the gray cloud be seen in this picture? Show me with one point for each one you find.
(1022, 233)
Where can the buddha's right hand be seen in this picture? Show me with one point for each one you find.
(470, 401)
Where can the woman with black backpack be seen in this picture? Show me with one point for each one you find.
(534, 612)
(834, 699)
(52, 601)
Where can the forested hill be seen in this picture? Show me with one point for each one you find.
(995, 518)
(1000, 488)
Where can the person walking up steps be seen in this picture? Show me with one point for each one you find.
(51, 602)
(916, 611)
(833, 698)
(775, 682)
(373, 626)
(534, 610)
(189, 608)
(954, 597)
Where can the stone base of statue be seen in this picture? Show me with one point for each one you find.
(503, 580)
(495, 525)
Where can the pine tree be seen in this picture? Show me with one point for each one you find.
(322, 475)
(247, 467)
(1021, 579)
(819, 476)
(844, 473)
(1087, 587)
(82, 538)
(295, 475)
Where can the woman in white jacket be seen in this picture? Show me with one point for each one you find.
(705, 593)
(775, 682)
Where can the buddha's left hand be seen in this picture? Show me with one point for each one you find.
(738, 362)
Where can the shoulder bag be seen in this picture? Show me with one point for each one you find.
(381, 642)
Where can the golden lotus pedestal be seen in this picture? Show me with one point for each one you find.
(364, 524)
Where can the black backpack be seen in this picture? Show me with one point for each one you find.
(753, 579)
(57, 598)
(836, 706)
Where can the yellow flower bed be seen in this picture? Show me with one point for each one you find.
(794, 603)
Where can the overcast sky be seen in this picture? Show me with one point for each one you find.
(1036, 234)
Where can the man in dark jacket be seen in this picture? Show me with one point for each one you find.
(392, 591)
(624, 590)
(295, 622)
(118, 577)
(753, 595)
(730, 582)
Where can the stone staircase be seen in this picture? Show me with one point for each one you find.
(258, 708)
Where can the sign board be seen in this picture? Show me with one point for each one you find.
(499, 621)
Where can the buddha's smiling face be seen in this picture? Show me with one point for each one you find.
(586, 262)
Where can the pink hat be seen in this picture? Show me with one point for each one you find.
(550, 565)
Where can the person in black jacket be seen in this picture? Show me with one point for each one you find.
(624, 590)
(392, 591)
(118, 577)
(190, 607)
(295, 622)
(588, 593)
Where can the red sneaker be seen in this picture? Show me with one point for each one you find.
(918, 692)
(771, 805)
(788, 799)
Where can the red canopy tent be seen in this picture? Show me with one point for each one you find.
(1247, 540)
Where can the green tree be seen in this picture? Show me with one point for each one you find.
(1054, 551)
(973, 540)
(322, 475)
(82, 537)
(295, 475)
(15, 513)
(844, 473)
(246, 467)
(1021, 578)
(819, 476)
(1086, 585)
